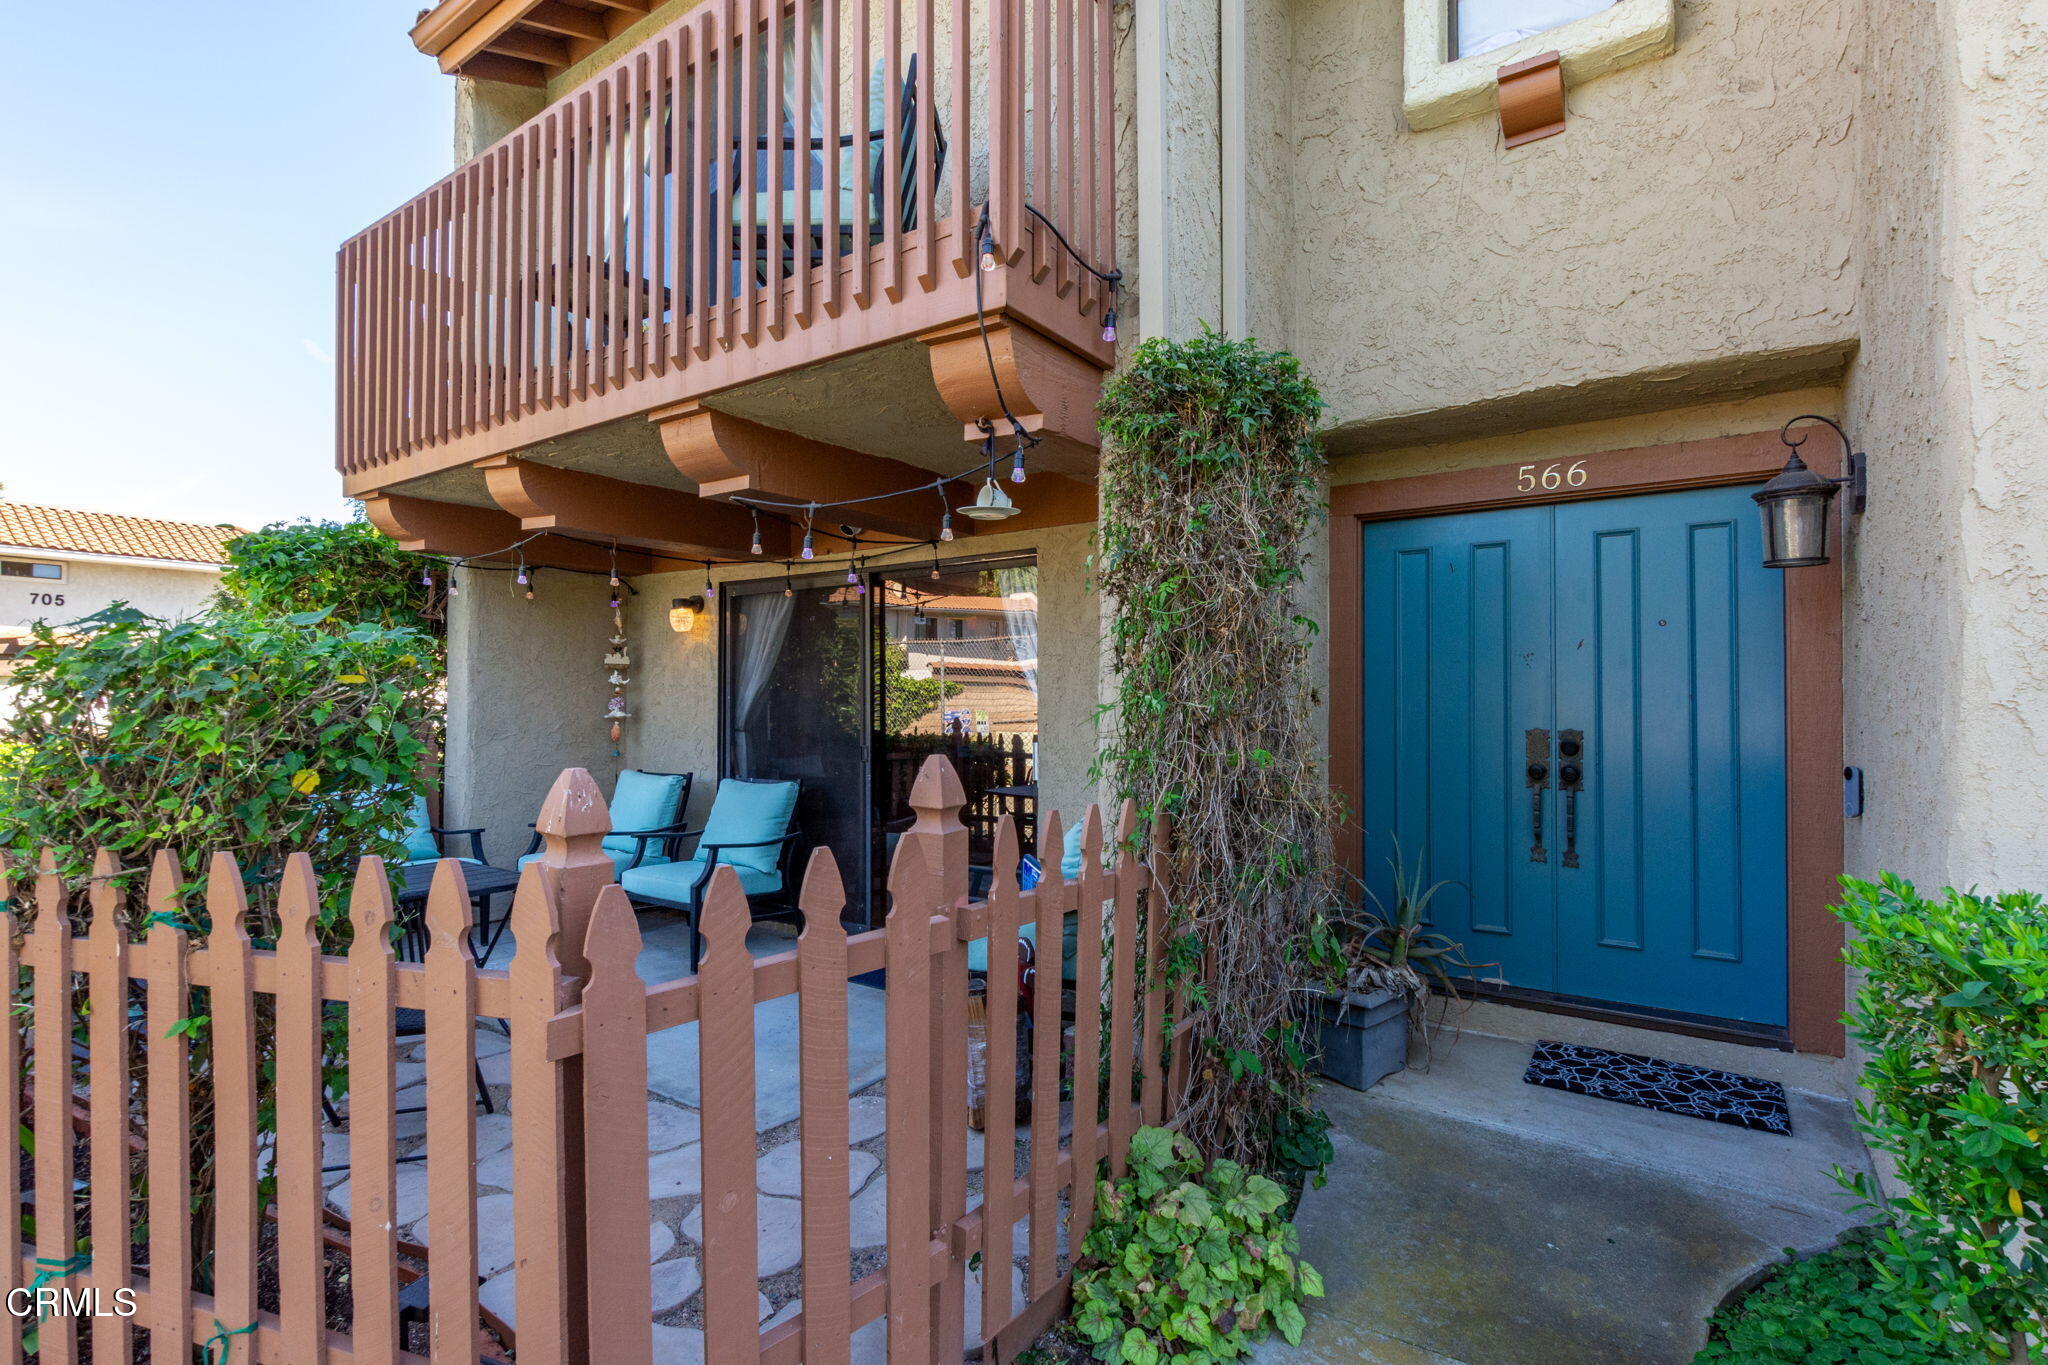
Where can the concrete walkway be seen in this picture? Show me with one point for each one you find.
(1471, 1219)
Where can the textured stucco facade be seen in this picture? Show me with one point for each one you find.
(171, 591)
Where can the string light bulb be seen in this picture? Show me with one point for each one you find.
(808, 552)
(710, 588)
(1017, 459)
(1109, 325)
(946, 525)
(427, 578)
(988, 248)
(755, 548)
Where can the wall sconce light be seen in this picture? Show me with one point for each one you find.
(682, 614)
(1795, 504)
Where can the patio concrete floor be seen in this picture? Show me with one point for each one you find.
(1471, 1219)
(672, 1053)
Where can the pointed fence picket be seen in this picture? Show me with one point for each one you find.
(578, 1017)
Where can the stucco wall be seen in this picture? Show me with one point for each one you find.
(89, 587)
(526, 699)
(1947, 618)
(1695, 207)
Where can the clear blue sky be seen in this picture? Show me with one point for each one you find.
(176, 180)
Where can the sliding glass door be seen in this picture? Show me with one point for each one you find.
(849, 691)
(795, 707)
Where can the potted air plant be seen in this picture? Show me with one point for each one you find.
(1390, 963)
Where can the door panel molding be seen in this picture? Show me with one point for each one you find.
(1813, 676)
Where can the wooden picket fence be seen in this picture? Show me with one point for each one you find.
(578, 1018)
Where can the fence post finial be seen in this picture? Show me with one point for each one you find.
(939, 836)
(572, 825)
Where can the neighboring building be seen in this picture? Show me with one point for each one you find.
(58, 564)
(1560, 310)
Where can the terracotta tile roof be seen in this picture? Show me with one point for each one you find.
(106, 533)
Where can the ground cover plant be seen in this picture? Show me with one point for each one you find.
(1837, 1308)
(1188, 1263)
(1953, 1015)
(1211, 493)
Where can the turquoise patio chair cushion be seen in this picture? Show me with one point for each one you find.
(416, 862)
(619, 856)
(1070, 855)
(643, 801)
(419, 834)
(977, 951)
(747, 813)
(672, 881)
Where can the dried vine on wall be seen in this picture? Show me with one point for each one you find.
(1211, 487)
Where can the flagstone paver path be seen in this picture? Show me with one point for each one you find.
(675, 1169)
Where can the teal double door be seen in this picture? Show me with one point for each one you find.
(1574, 720)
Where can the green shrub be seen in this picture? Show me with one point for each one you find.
(250, 736)
(349, 569)
(1837, 1308)
(1953, 1012)
(1186, 1266)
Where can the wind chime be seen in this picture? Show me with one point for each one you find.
(617, 659)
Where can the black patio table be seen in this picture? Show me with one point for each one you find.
(484, 882)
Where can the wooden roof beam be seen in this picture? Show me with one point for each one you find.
(529, 46)
(461, 531)
(551, 16)
(492, 66)
(728, 456)
(546, 498)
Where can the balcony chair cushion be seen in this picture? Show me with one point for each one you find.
(419, 862)
(878, 107)
(619, 856)
(643, 801)
(748, 813)
(420, 846)
(672, 882)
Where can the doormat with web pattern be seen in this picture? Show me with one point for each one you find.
(1698, 1092)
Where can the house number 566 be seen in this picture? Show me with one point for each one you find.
(1550, 477)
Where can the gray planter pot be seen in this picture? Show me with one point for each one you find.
(1363, 1037)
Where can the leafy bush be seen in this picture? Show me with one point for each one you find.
(1837, 1308)
(347, 568)
(1186, 1266)
(1953, 1012)
(243, 735)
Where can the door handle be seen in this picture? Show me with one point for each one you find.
(1571, 779)
(1536, 750)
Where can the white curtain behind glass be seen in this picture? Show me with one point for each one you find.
(765, 621)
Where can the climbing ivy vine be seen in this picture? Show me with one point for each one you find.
(1211, 489)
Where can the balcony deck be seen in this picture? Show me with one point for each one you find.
(757, 189)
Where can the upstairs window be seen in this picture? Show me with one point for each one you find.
(1479, 26)
(26, 568)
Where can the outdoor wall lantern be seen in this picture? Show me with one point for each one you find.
(1795, 504)
(682, 614)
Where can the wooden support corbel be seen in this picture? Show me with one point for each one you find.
(457, 529)
(728, 456)
(1049, 389)
(1532, 99)
(547, 498)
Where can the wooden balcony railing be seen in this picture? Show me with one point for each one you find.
(762, 184)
